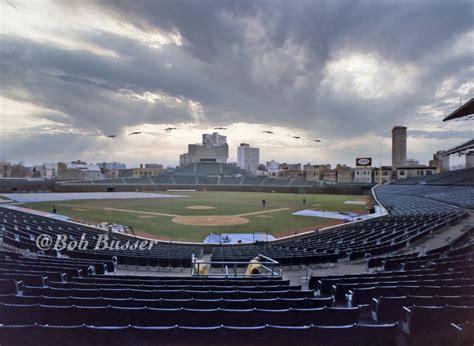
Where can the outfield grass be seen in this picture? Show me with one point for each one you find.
(225, 203)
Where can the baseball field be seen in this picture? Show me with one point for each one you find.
(193, 217)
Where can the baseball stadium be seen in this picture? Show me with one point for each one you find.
(355, 251)
(286, 263)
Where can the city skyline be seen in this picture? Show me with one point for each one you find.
(74, 73)
(233, 157)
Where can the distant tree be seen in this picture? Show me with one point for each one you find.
(261, 167)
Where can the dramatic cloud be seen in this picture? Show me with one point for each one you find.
(74, 72)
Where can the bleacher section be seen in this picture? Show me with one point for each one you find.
(458, 177)
(77, 297)
(203, 174)
(75, 300)
(425, 293)
(205, 169)
(212, 180)
(140, 181)
(402, 200)
(230, 181)
(255, 181)
(20, 229)
(164, 179)
(276, 182)
(79, 307)
(182, 179)
(299, 182)
(349, 242)
(185, 180)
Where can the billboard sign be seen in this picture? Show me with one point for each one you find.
(364, 161)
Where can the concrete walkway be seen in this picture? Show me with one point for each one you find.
(444, 236)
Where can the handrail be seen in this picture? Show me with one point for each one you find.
(309, 273)
(236, 262)
(269, 265)
(268, 258)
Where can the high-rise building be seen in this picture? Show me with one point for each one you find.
(399, 146)
(213, 148)
(248, 158)
(213, 139)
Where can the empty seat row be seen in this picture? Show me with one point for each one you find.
(153, 294)
(389, 309)
(13, 314)
(430, 324)
(174, 280)
(191, 303)
(165, 286)
(363, 296)
(350, 335)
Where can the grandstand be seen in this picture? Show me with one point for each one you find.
(213, 169)
(209, 175)
(462, 177)
(84, 297)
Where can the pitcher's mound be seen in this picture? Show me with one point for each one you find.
(200, 207)
(210, 220)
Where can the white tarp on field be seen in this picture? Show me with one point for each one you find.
(328, 214)
(355, 202)
(379, 211)
(68, 196)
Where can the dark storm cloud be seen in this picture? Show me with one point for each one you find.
(244, 61)
(217, 34)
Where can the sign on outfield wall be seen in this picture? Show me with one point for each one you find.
(364, 161)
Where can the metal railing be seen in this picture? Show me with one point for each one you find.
(308, 274)
(269, 268)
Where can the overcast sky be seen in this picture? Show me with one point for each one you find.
(345, 72)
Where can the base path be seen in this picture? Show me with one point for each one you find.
(263, 212)
(140, 212)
